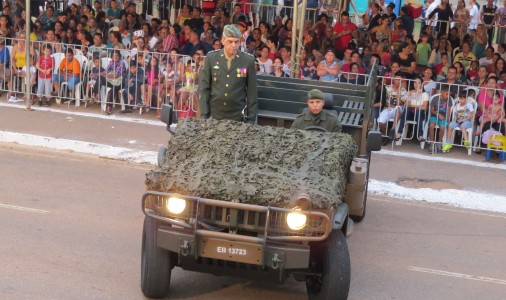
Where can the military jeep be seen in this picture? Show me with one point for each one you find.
(263, 242)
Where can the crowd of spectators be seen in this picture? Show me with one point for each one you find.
(143, 63)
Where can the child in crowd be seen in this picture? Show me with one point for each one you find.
(442, 68)
(422, 54)
(493, 114)
(45, 67)
(167, 83)
(33, 77)
(472, 73)
(152, 73)
(96, 82)
(189, 89)
(440, 108)
(309, 68)
(462, 116)
(135, 81)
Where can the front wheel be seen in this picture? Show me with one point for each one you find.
(331, 261)
(156, 263)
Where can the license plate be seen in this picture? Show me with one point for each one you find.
(231, 251)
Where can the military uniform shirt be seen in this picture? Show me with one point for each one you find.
(224, 92)
(326, 120)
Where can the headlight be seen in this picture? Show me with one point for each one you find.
(295, 220)
(176, 205)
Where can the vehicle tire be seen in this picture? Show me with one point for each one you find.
(332, 260)
(161, 155)
(156, 263)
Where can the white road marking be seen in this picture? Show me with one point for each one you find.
(459, 198)
(90, 115)
(458, 275)
(437, 207)
(28, 209)
(412, 155)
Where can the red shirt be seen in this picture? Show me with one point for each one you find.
(346, 68)
(343, 41)
(46, 63)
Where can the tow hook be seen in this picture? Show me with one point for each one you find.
(276, 261)
(184, 249)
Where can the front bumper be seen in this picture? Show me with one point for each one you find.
(235, 232)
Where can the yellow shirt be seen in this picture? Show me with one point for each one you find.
(20, 59)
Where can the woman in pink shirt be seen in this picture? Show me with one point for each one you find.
(152, 73)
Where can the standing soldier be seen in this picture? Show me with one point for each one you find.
(228, 87)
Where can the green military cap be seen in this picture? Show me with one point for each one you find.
(231, 31)
(315, 94)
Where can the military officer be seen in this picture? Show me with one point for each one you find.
(227, 83)
(316, 116)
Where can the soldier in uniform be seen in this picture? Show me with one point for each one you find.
(227, 83)
(315, 115)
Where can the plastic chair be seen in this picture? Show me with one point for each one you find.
(497, 143)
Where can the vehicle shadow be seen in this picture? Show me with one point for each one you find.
(193, 285)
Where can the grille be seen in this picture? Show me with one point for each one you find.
(237, 218)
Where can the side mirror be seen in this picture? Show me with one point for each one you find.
(166, 116)
(374, 141)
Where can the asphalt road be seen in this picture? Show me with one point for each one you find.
(70, 228)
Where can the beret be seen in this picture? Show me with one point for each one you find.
(315, 94)
(231, 31)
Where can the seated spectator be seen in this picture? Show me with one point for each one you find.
(69, 71)
(396, 97)
(493, 116)
(95, 82)
(194, 44)
(113, 13)
(115, 41)
(328, 69)
(5, 29)
(308, 70)
(487, 59)
(353, 77)
(278, 68)
(481, 79)
(461, 72)
(115, 75)
(461, 117)
(47, 18)
(417, 102)
(343, 33)
(406, 61)
(501, 49)
(285, 32)
(454, 84)
(499, 67)
(440, 108)
(443, 46)
(316, 115)
(466, 56)
(428, 84)
(472, 72)
(399, 33)
(355, 58)
(5, 62)
(285, 53)
(480, 41)
(237, 14)
(97, 49)
(264, 62)
(442, 68)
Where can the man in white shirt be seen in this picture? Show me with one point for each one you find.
(474, 12)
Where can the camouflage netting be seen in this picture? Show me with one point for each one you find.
(227, 160)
